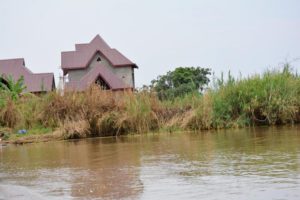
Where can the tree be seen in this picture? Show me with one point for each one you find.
(12, 88)
(181, 81)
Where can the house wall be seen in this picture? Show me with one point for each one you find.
(123, 73)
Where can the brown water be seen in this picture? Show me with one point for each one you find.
(261, 163)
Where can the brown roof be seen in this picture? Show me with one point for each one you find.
(81, 57)
(34, 82)
(99, 70)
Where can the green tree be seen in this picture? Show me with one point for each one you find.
(12, 88)
(181, 81)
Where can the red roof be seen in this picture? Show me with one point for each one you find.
(34, 82)
(83, 54)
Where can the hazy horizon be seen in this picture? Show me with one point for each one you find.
(241, 36)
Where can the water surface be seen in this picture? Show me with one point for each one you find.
(260, 163)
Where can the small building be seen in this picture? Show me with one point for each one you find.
(96, 62)
(34, 82)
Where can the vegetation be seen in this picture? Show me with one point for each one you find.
(181, 81)
(12, 88)
(267, 99)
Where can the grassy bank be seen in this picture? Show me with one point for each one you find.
(272, 98)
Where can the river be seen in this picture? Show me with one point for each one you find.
(254, 163)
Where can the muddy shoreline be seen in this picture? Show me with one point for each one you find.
(54, 136)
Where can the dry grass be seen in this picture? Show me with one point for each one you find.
(138, 113)
(272, 98)
(75, 129)
(9, 115)
(201, 116)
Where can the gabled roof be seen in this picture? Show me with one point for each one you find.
(34, 82)
(81, 57)
(99, 70)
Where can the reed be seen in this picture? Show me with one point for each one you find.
(9, 115)
(138, 113)
(269, 99)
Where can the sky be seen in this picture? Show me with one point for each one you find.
(243, 36)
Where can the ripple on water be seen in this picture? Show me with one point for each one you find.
(242, 164)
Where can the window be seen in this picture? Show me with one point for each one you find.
(98, 59)
(104, 86)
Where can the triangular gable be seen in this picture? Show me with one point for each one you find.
(100, 70)
(84, 53)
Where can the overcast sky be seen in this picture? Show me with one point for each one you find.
(244, 36)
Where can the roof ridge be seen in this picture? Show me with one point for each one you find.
(12, 59)
(69, 51)
(98, 38)
(44, 73)
(81, 57)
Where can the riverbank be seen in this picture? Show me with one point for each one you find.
(26, 139)
(272, 98)
(58, 136)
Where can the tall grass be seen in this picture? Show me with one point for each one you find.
(9, 115)
(267, 99)
(138, 113)
(271, 98)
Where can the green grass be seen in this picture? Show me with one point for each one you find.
(271, 98)
(33, 131)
